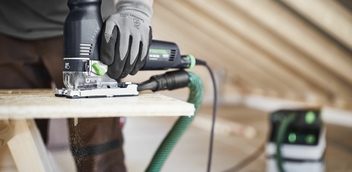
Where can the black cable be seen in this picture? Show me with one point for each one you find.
(249, 159)
(200, 62)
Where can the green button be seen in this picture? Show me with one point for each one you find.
(98, 69)
(292, 137)
(310, 117)
(310, 139)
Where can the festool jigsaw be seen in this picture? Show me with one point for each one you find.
(84, 75)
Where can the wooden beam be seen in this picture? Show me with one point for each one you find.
(200, 42)
(252, 53)
(203, 33)
(280, 50)
(162, 30)
(6, 132)
(328, 15)
(27, 148)
(7, 163)
(303, 37)
(187, 47)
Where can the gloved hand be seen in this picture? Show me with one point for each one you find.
(126, 38)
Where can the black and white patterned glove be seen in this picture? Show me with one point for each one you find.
(126, 38)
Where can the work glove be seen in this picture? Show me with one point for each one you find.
(126, 38)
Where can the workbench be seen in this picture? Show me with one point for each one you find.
(18, 108)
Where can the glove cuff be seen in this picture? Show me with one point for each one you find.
(135, 5)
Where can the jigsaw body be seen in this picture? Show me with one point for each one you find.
(84, 76)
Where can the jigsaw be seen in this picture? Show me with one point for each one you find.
(84, 76)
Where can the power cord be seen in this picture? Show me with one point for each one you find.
(200, 62)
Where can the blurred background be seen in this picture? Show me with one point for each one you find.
(266, 55)
(294, 50)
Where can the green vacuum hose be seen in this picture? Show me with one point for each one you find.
(280, 139)
(195, 97)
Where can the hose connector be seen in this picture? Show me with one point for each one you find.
(168, 81)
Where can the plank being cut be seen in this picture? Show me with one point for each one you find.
(27, 104)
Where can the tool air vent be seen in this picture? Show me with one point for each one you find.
(85, 49)
(172, 55)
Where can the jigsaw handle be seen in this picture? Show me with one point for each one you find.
(82, 29)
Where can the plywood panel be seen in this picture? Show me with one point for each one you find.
(28, 104)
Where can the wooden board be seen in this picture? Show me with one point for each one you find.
(27, 104)
(27, 148)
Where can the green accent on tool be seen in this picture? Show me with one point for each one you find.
(310, 139)
(98, 69)
(193, 61)
(292, 137)
(310, 117)
(158, 51)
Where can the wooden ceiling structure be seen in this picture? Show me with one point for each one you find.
(293, 49)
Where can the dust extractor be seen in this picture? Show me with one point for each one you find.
(296, 141)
